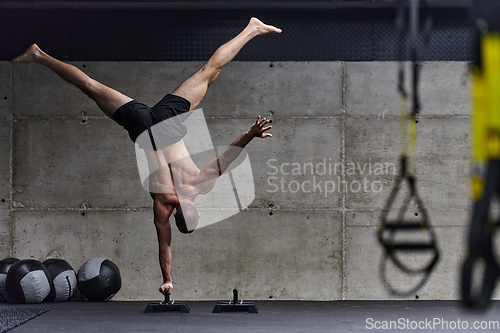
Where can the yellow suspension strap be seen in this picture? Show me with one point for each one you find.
(485, 177)
(389, 227)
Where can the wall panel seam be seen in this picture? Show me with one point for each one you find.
(11, 161)
(343, 158)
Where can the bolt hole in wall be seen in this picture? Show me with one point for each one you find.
(84, 121)
(3, 200)
(417, 297)
(270, 213)
(5, 97)
(83, 213)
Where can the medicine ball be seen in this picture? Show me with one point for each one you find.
(63, 280)
(28, 281)
(99, 279)
(5, 265)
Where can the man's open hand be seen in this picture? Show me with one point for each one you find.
(258, 130)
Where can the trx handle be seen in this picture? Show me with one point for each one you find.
(480, 242)
(480, 249)
(479, 300)
(392, 248)
(390, 227)
(425, 273)
(414, 246)
(404, 225)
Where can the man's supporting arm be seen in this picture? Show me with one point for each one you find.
(164, 232)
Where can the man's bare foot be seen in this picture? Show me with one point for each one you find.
(29, 55)
(262, 28)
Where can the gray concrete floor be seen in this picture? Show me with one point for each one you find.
(273, 316)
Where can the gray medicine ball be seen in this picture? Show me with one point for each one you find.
(28, 281)
(5, 265)
(63, 280)
(99, 279)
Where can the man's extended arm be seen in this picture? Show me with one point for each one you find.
(217, 166)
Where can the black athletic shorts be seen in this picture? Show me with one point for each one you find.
(164, 122)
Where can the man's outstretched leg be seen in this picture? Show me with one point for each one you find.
(194, 88)
(106, 98)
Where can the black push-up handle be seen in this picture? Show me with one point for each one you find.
(166, 292)
(235, 296)
(235, 305)
(167, 305)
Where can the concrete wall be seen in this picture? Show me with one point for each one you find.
(69, 179)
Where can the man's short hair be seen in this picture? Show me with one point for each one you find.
(186, 218)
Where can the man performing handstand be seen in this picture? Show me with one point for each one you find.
(174, 179)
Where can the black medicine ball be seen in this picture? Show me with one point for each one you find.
(99, 279)
(63, 280)
(28, 281)
(5, 265)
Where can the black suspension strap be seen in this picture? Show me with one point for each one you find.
(391, 226)
(485, 178)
